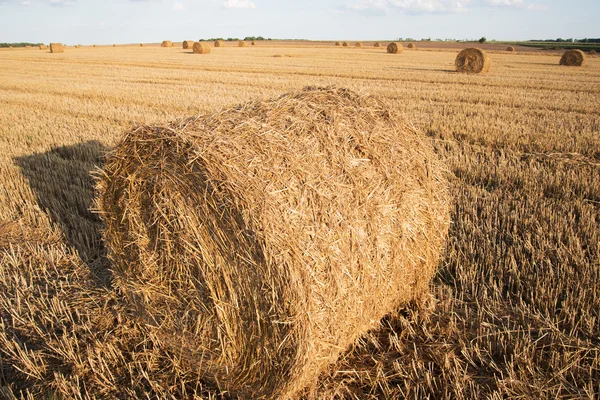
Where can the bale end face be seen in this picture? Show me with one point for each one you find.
(573, 58)
(345, 44)
(472, 61)
(262, 273)
(358, 44)
(201, 48)
(338, 43)
(219, 43)
(188, 44)
(411, 46)
(377, 44)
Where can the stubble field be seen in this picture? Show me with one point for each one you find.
(515, 310)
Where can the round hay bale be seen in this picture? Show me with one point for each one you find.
(358, 44)
(57, 48)
(411, 46)
(338, 43)
(377, 44)
(394, 48)
(114, 45)
(473, 61)
(510, 48)
(94, 46)
(43, 47)
(592, 52)
(188, 44)
(141, 44)
(219, 43)
(345, 44)
(201, 48)
(241, 43)
(573, 58)
(253, 43)
(166, 43)
(261, 241)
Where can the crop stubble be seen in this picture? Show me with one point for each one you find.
(516, 309)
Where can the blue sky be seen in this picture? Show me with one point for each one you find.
(133, 21)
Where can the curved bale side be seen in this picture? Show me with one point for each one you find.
(338, 43)
(573, 58)
(394, 48)
(510, 48)
(201, 48)
(345, 44)
(57, 48)
(187, 44)
(377, 44)
(592, 52)
(261, 241)
(472, 61)
(43, 47)
(253, 43)
(358, 44)
(166, 43)
(241, 43)
(219, 43)
(411, 46)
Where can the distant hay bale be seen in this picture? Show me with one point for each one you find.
(57, 48)
(27, 47)
(141, 44)
(411, 46)
(253, 43)
(377, 44)
(77, 46)
(338, 43)
(241, 43)
(510, 48)
(201, 48)
(219, 43)
(592, 52)
(358, 44)
(114, 45)
(573, 58)
(394, 48)
(43, 47)
(94, 46)
(166, 43)
(345, 44)
(259, 242)
(472, 61)
(188, 44)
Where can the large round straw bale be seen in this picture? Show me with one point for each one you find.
(573, 58)
(201, 48)
(510, 48)
(358, 44)
(411, 46)
(338, 43)
(472, 60)
(394, 48)
(219, 43)
(259, 242)
(377, 44)
(57, 48)
(166, 43)
(241, 43)
(345, 44)
(188, 44)
(253, 43)
(43, 47)
(592, 52)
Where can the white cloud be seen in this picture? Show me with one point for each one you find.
(239, 4)
(382, 7)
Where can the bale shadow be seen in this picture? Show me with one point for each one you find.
(64, 188)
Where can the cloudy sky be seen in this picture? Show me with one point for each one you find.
(133, 21)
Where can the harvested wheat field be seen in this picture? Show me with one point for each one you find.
(514, 310)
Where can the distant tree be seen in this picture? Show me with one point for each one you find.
(482, 40)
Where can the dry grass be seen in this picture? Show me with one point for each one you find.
(573, 58)
(473, 61)
(515, 311)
